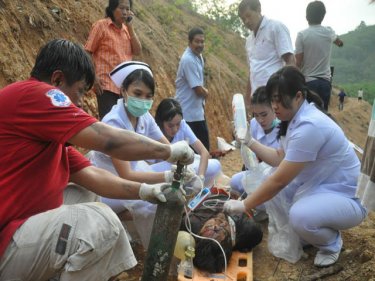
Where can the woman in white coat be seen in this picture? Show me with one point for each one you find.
(315, 164)
(170, 120)
(264, 128)
(135, 79)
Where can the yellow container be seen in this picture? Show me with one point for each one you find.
(240, 268)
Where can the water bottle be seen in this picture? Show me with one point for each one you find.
(239, 115)
(184, 240)
(186, 267)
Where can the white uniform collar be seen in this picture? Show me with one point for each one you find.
(295, 120)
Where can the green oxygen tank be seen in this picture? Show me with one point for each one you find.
(164, 232)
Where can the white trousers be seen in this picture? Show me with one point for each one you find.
(318, 219)
(236, 182)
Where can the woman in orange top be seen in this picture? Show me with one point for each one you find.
(111, 41)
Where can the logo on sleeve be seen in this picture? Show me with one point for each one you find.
(58, 98)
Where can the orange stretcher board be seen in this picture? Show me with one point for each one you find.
(240, 268)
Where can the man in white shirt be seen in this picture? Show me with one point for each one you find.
(269, 46)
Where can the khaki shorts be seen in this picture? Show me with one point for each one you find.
(82, 242)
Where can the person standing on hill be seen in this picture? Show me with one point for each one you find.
(360, 94)
(111, 41)
(190, 90)
(313, 51)
(342, 96)
(269, 46)
(40, 120)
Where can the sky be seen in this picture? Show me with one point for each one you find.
(342, 15)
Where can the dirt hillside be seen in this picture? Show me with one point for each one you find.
(27, 25)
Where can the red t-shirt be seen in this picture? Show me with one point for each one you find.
(36, 120)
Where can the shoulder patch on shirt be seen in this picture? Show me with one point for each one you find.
(58, 98)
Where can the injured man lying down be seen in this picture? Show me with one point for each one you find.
(233, 233)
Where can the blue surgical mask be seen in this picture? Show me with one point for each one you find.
(137, 107)
(275, 122)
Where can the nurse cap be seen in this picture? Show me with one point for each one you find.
(120, 72)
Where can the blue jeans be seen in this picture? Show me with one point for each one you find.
(323, 88)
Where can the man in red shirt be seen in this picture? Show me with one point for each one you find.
(39, 119)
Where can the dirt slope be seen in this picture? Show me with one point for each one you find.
(27, 25)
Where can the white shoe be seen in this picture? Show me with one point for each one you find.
(323, 259)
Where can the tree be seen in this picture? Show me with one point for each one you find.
(226, 16)
(361, 25)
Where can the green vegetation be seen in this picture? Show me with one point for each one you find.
(166, 14)
(352, 90)
(354, 67)
(217, 10)
(213, 39)
(224, 15)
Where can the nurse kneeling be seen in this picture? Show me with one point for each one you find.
(315, 164)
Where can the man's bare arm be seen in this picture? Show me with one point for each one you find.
(201, 91)
(118, 143)
(289, 59)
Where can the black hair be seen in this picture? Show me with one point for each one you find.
(287, 82)
(248, 233)
(253, 5)
(112, 5)
(167, 109)
(260, 97)
(66, 56)
(194, 31)
(140, 75)
(315, 12)
(209, 257)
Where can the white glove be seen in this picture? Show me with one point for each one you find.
(234, 207)
(181, 151)
(188, 174)
(196, 184)
(249, 140)
(153, 193)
